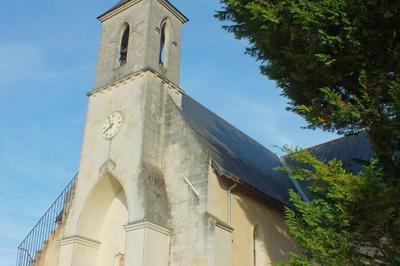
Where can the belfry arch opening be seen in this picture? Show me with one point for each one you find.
(163, 41)
(124, 44)
(102, 221)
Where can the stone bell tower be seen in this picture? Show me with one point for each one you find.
(152, 40)
(119, 215)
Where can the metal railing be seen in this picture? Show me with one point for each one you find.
(30, 249)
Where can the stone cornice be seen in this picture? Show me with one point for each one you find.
(81, 241)
(147, 225)
(119, 8)
(219, 223)
(133, 76)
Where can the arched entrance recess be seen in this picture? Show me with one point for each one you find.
(102, 219)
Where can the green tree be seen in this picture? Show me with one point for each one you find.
(338, 62)
(351, 219)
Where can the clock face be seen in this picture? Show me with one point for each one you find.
(112, 125)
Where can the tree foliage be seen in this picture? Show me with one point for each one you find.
(351, 219)
(338, 63)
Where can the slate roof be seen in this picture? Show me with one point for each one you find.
(236, 155)
(354, 151)
(351, 150)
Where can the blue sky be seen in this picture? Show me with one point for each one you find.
(48, 52)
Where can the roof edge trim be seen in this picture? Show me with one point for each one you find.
(220, 171)
(125, 5)
(167, 4)
(117, 9)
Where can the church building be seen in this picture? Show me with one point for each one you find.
(162, 179)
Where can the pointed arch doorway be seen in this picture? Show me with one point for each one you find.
(102, 221)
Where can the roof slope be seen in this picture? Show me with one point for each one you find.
(237, 155)
(352, 151)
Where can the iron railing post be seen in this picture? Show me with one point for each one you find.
(33, 245)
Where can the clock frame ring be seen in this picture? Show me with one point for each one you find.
(112, 125)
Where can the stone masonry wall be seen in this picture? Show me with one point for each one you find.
(144, 19)
(185, 157)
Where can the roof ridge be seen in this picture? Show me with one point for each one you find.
(338, 139)
(330, 142)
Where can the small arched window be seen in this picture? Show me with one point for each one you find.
(162, 55)
(123, 52)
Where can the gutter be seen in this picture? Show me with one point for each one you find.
(229, 201)
(220, 171)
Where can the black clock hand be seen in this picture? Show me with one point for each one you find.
(110, 127)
